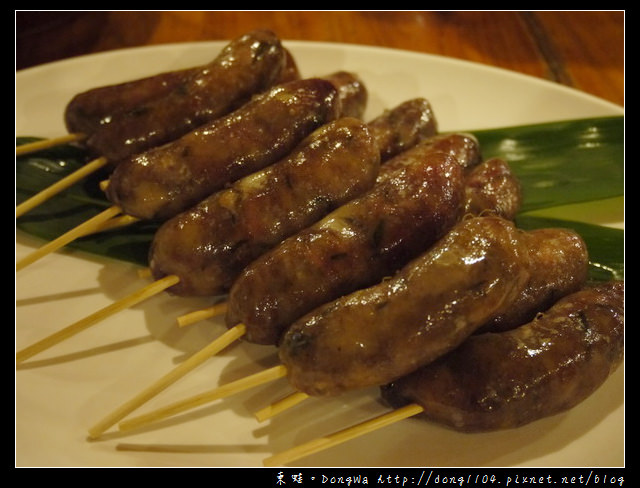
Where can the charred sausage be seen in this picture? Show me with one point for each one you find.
(208, 245)
(378, 334)
(246, 66)
(166, 180)
(509, 379)
(417, 198)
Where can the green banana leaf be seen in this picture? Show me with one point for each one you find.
(562, 163)
(558, 164)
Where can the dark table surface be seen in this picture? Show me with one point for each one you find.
(580, 49)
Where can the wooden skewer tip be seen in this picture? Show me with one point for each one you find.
(164, 382)
(198, 400)
(128, 301)
(322, 443)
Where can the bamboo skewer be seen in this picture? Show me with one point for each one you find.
(220, 392)
(87, 227)
(164, 382)
(59, 186)
(205, 313)
(116, 223)
(323, 443)
(136, 297)
(280, 406)
(48, 143)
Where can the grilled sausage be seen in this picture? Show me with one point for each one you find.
(492, 186)
(209, 245)
(246, 66)
(508, 379)
(89, 110)
(402, 127)
(464, 147)
(97, 107)
(169, 179)
(417, 198)
(353, 93)
(378, 334)
(559, 266)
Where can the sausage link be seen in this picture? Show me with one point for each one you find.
(353, 93)
(89, 110)
(559, 266)
(378, 334)
(493, 187)
(464, 147)
(209, 245)
(246, 66)
(509, 379)
(94, 108)
(402, 127)
(169, 179)
(416, 199)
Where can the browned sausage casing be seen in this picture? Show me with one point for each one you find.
(417, 198)
(169, 179)
(402, 127)
(246, 66)
(508, 379)
(97, 107)
(464, 147)
(352, 91)
(492, 186)
(376, 335)
(89, 110)
(209, 245)
(559, 266)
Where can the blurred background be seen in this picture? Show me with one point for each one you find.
(580, 49)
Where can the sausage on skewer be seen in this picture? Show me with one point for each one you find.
(247, 65)
(508, 379)
(561, 250)
(417, 198)
(476, 273)
(208, 245)
(378, 334)
(169, 179)
(558, 267)
(97, 107)
(209, 222)
(156, 110)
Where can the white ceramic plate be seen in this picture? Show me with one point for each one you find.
(62, 392)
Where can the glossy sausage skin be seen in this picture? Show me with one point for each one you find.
(493, 187)
(379, 334)
(208, 245)
(505, 380)
(248, 65)
(404, 126)
(353, 93)
(559, 266)
(166, 180)
(464, 147)
(89, 110)
(417, 198)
